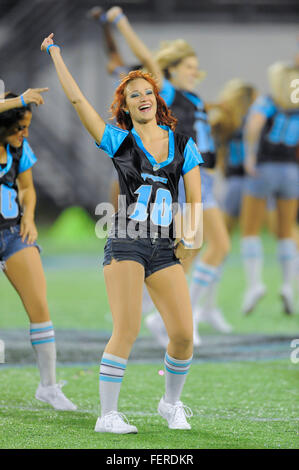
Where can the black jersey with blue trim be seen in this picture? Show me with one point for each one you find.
(280, 134)
(235, 154)
(150, 188)
(18, 160)
(189, 109)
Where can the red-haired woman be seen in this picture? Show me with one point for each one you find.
(149, 158)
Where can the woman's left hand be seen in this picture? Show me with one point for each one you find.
(181, 252)
(28, 230)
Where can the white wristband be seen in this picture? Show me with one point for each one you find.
(186, 244)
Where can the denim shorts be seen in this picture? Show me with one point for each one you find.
(232, 201)
(207, 193)
(274, 179)
(231, 204)
(11, 242)
(152, 254)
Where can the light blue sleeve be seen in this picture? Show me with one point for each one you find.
(263, 105)
(28, 159)
(167, 92)
(112, 139)
(192, 156)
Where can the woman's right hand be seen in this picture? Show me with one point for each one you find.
(48, 41)
(33, 95)
(250, 167)
(113, 13)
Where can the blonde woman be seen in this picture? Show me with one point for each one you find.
(271, 142)
(227, 119)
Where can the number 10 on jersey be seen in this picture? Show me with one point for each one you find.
(161, 213)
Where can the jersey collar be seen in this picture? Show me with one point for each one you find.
(154, 163)
(8, 163)
(193, 98)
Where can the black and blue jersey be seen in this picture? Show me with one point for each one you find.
(189, 109)
(235, 154)
(18, 161)
(280, 134)
(150, 188)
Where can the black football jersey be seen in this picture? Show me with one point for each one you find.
(189, 109)
(18, 161)
(235, 154)
(147, 188)
(280, 135)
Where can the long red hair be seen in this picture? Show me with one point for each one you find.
(163, 116)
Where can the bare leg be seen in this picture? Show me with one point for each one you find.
(208, 272)
(25, 272)
(124, 283)
(216, 237)
(252, 217)
(169, 290)
(286, 213)
(230, 222)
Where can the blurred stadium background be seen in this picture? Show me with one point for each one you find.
(232, 38)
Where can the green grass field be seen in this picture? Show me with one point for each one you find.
(249, 405)
(235, 405)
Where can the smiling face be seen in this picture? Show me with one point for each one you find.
(20, 130)
(185, 74)
(141, 101)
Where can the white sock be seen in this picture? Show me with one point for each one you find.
(202, 279)
(212, 292)
(252, 254)
(42, 338)
(175, 377)
(112, 370)
(286, 251)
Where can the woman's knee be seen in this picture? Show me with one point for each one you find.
(126, 335)
(217, 251)
(182, 339)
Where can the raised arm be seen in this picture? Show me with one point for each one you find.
(32, 95)
(87, 114)
(114, 57)
(137, 46)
